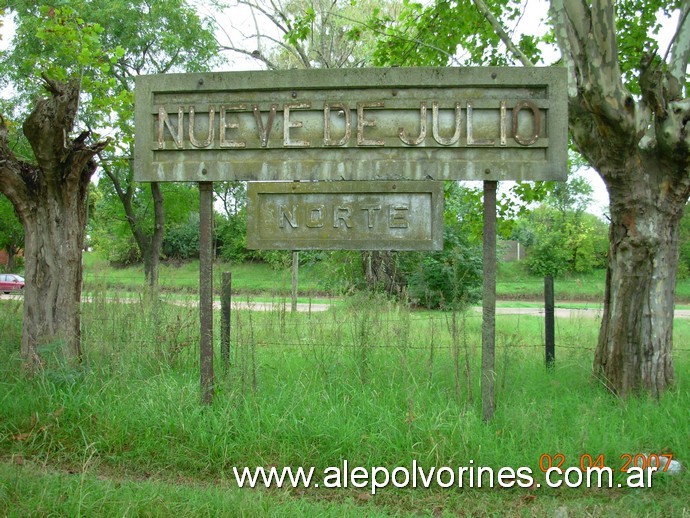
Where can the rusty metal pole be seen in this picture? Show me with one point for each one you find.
(549, 322)
(206, 290)
(225, 322)
(489, 302)
(295, 273)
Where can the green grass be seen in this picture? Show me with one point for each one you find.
(369, 381)
(29, 489)
(251, 278)
(514, 282)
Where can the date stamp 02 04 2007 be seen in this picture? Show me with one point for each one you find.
(663, 462)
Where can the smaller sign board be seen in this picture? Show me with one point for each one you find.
(345, 215)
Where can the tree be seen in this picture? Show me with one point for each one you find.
(637, 144)
(149, 37)
(320, 34)
(48, 190)
(11, 232)
(171, 37)
(49, 196)
(627, 117)
(306, 33)
(559, 234)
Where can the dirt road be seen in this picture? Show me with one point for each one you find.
(568, 313)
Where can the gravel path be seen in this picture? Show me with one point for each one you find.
(317, 307)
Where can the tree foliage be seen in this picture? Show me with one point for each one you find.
(111, 231)
(450, 278)
(559, 242)
(11, 232)
(627, 118)
(560, 236)
(80, 38)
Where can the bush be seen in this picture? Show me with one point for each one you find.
(446, 279)
(561, 242)
(231, 238)
(182, 241)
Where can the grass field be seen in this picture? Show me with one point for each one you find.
(514, 283)
(248, 278)
(368, 381)
(263, 283)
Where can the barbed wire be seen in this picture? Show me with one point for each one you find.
(320, 323)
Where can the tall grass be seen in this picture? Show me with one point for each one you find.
(369, 381)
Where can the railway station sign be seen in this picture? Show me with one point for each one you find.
(376, 215)
(488, 123)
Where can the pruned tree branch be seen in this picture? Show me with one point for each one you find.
(52, 119)
(505, 38)
(58, 159)
(255, 54)
(680, 55)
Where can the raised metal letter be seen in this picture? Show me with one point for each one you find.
(224, 143)
(164, 122)
(264, 132)
(192, 138)
(362, 122)
(327, 140)
(297, 124)
(528, 141)
(422, 128)
(435, 127)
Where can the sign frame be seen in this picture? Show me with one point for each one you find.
(267, 119)
(375, 215)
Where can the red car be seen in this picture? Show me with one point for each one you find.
(10, 282)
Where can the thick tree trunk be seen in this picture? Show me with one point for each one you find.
(634, 351)
(50, 199)
(54, 229)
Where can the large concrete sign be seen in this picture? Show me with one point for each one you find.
(373, 215)
(355, 124)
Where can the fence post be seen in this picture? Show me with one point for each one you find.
(225, 322)
(489, 302)
(549, 322)
(295, 273)
(206, 291)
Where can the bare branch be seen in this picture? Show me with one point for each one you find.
(505, 38)
(568, 40)
(256, 54)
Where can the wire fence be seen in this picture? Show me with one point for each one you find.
(334, 324)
